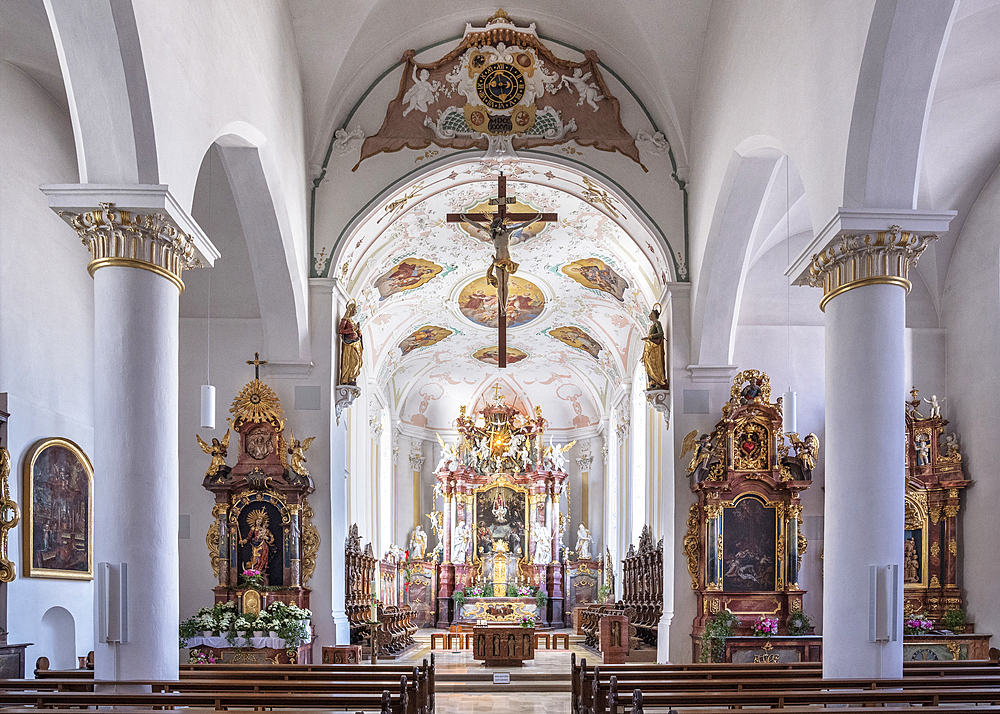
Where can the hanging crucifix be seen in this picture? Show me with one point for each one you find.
(502, 266)
(256, 362)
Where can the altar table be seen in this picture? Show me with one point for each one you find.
(503, 645)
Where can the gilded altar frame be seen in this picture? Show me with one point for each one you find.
(501, 482)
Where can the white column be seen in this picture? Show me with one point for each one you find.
(864, 277)
(137, 265)
(864, 474)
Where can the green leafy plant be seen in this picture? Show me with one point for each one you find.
(602, 593)
(799, 623)
(458, 597)
(541, 597)
(954, 620)
(713, 640)
(488, 590)
(511, 590)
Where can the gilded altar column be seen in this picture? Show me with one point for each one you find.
(137, 261)
(863, 271)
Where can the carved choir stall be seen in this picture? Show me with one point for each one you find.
(263, 521)
(501, 490)
(637, 613)
(375, 617)
(744, 542)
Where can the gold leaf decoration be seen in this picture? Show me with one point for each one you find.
(212, 541)
(310, 542)
(692, 544)
(257, 403)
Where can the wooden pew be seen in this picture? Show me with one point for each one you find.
(384, 703)
(415, 687)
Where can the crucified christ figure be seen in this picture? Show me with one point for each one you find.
(500, 234)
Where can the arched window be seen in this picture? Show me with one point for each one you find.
(638, 490)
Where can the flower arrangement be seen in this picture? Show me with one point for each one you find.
(201, 657)
(764, 626)
(799, 623)
(253, 579)
(474, 591)
(288, 621)
(916, 626)
(527, 621)
(524, 591)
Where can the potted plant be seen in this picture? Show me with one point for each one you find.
(252, 579)
(713, 641)
(201, 657)
(954, 620)
(916, 626)
(799, 623)
(603, 593)
(527, 621)
(459, 598)
(764, 626)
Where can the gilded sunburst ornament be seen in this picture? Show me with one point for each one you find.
(257, 403)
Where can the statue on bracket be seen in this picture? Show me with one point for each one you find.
(654, 354)
(218, 450)
(351, 347)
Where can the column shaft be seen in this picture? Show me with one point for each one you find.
(136, 463)
(864, 474)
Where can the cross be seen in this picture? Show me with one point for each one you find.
(256, 362)
(501, 260)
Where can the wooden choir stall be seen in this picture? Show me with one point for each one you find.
(263, 522)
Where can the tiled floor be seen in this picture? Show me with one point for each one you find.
(461, 661)
(512, 702)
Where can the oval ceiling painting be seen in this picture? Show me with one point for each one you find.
(408, 274)
(577, 338)
(424, 337)
(478, 302)
(595, 274)
(490, 355)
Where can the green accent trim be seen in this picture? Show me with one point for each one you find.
(681, 184)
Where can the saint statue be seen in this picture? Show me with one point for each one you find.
(543, 544)
(584, 543)
(260, 539)
(460, 543)
(911, 565)
(653, 353)
(500, 235)
(418, 543)
(217, 450)
(351, 347)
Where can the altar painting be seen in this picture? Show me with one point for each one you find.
(58, 511)
(260, 542)
(500, 521)
(408, 274)
(749, 546)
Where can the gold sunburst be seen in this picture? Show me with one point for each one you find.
(256, 402)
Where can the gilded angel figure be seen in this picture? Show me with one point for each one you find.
(218, 450)
(297, 452)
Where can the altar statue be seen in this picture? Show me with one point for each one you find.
(418, 543)
(911, 564)
(297, 454)
(260, 539)
(653, 353)
(351, 347)
(460, 543)
(584, 543)
(543, 544)
(217, 450)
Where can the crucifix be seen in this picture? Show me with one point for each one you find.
(500, 232)
(256, 362)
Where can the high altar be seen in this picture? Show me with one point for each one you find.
(263, 520)
(500, 521)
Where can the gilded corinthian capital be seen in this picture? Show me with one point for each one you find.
(884, 257)
(122, 238)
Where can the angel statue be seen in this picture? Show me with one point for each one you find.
(806, 450)
(217, 450)
(935, 405)
(500, 234)
(558, 453)
(297, 453)
(449, 454)
(702, 458)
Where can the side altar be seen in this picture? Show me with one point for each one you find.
(500, 531)
(262, 543)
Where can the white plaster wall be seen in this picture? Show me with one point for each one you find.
(46, 330)
(971, 311)
(791, 80)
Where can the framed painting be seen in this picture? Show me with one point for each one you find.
(749, 546)
(58, 511)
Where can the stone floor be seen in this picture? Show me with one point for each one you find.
(529, 703)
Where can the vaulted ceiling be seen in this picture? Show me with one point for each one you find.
(577, 308)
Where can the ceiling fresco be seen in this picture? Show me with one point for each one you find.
(577, 307)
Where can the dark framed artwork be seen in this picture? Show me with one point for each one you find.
(749, 552)
(58, 520)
